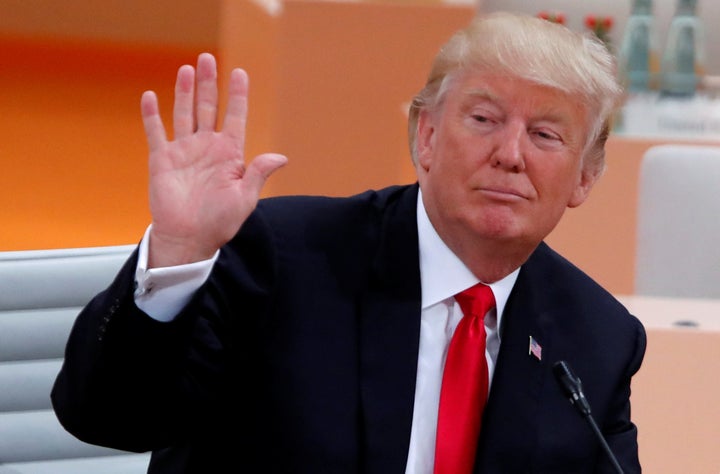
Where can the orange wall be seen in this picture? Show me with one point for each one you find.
(185, 23)
(330, 83)
(72, 148)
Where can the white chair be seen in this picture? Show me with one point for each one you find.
(678, 233)
(41, 293)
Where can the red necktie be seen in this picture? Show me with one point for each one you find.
(464, 385)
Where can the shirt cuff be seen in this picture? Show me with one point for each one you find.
(163, 292)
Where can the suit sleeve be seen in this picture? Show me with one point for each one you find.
(131, 382)
(620, 432)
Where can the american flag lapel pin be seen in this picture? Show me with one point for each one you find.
(535, 349)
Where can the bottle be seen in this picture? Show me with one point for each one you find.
(683, 61)
(637, 59)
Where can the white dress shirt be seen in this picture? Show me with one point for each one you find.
(442, 275)
(162, 293)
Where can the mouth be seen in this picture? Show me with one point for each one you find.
(503, 194)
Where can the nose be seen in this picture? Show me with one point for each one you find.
(510, 150)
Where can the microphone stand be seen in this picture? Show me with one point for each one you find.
(572, 387)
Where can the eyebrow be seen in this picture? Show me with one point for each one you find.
(482, 94)
(547, 115)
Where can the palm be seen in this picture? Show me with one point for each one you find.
(200, 190)
(197, 184)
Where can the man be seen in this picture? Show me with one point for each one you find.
(310, 334)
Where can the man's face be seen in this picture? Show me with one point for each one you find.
(500, 159)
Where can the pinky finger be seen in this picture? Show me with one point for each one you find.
(154, 128)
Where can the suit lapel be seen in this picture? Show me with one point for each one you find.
(389, 337)
(509, 432)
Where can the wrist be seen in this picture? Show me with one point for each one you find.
(170, 250)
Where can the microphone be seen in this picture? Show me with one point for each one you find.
(572, 387)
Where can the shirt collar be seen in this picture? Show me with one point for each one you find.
(443, 274)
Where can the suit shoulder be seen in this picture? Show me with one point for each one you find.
(582, 310)
(575, 288)
(327, 212)
(562, 274)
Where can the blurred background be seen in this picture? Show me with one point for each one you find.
(619, 10)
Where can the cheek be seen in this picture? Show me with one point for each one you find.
(558, 182)
(457, 155)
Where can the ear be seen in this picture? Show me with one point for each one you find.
(425, 139)
(587, 180)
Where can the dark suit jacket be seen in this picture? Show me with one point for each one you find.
(299, 355)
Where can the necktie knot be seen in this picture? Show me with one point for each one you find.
(476, 300)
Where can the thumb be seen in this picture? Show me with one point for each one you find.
(260, 169)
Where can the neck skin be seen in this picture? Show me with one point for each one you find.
(490, 259)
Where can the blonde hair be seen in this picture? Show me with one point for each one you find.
(536, 50)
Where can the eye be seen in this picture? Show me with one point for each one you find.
(480, 118)
(547, 135)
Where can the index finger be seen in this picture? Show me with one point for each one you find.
(236, 113)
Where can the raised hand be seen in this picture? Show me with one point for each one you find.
(200, 188)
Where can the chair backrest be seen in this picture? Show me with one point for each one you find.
(41, 293)
(679, 222)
